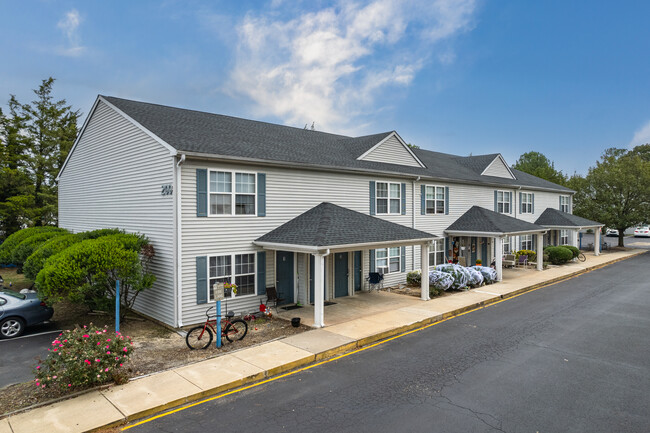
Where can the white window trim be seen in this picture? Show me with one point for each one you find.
(504, 202)
(435, 199)
(233, 193)
(438, 247)
(377, 198)
(564, 201)
(506, 240)
(527, 239)
(526, 201)
(232, 272)
(564, 234)
(387, 258)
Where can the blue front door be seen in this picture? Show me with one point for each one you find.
(474, 251)
(340, 274)
(284, 276)
(357, 271)
(484, 257)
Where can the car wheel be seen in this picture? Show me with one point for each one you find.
(11, 327)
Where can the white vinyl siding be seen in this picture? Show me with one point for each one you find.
(498, 169)
(114, 178)
(392, 151)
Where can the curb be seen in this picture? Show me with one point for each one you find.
(330, 353)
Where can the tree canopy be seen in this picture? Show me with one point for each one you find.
(537, 164)
(616, 191)
(35, 139)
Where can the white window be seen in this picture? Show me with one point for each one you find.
(388, 260)
(225, 201)
(232, 268)
(389, 198)
(526, 202)
(504, 198)
(527, 242)
(564, 237)
(564, 203)
(505, 245)
(435, 199)
(437, 253)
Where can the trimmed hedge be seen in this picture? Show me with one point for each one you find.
(31, 244)
(559, 255)
(12, 241)
(575, 251)
(36, 261)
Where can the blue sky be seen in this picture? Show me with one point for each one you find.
(565, 78)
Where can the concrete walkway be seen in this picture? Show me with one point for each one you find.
(139, 398)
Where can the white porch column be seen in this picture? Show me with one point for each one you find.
(424, 265)
(574, 241)
(597, 241)
(319, 290)
(498, 257)
(540, 251)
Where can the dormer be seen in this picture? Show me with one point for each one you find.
(498, 168)
(392, 150)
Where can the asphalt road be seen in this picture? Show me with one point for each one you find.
(572, 357)
(630, 241)
(18, 356)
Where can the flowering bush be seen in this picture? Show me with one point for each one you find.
(84, 357)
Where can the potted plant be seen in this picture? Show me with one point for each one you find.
(479, 262)
(233, 289)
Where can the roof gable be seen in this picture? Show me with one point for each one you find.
(393, 150)
(481, 220)
(498, 168)
(556, 218)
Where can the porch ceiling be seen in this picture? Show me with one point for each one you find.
(553, 218)
(328, 226)
(478, 221)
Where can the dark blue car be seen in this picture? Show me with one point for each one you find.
(18, 310)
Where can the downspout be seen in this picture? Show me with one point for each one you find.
(179, 241)
(413, 217)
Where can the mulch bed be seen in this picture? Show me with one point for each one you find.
(411, 291)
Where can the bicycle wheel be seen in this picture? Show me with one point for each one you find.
(582, 257)
(236, 330)
(198, 338)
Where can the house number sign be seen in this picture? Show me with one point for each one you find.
(167, 189)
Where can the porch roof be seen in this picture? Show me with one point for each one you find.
(478, 221)
(556, 218)
(328, 226)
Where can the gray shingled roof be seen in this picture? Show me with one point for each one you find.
(328, 225)
(214, 134)
(556, 218)
(481, 220)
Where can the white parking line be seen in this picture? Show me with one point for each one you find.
(27, 336)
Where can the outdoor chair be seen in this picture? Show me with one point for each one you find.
(508, 261)
(375, 280)
(523, 260)
(272, 297)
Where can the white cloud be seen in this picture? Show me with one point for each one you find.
(331, 65)
(69, 25)
(641, 136)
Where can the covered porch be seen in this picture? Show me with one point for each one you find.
(324, 255)
(479, 222)
(563, 228)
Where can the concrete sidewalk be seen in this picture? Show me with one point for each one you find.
(139, 398)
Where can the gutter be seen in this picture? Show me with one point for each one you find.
(319, 249)
(178, 256)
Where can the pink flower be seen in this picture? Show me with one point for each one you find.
(108, 353)
(69, 384)
(108, 339)
(60, 345)
(38, 367)
(106, 369)
(85, 335)
(120, 365)
(53, 377)
(56, 350)
(98, 343)
(65, 341)
(98, 375)
(117, 358)
(87, 362)
(97, 360)
(38, 384)
(107, 347)
(125, 349)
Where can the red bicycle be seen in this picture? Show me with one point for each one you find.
(201, 336)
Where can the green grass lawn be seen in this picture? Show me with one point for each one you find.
(16, 280)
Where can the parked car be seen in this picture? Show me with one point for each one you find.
(642, 231)
(611, 232)
(19, 310)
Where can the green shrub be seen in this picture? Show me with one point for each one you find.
(532, 255)
(94, 234)
(31, 244)
(574, 250)
(80, 358)
(414, 278)
(36, 261)
(479, 262)
(12, 241)
(559, 255)
(86, 272)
